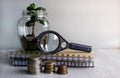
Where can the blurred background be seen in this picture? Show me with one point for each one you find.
(89, 22)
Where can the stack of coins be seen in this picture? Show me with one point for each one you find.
(49, 66)
(33, 65)
(62, 69)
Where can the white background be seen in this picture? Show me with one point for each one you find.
(90, 22)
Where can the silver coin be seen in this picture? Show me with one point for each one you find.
(33, 65)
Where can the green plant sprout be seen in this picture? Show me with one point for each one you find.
(34, 17)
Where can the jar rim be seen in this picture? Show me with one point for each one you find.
(32, 12)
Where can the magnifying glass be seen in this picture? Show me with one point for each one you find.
(51, 42)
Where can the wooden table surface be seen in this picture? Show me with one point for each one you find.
(107, 65)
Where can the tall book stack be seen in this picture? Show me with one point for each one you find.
(72, 58)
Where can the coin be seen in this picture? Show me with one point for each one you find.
(33, 65)
(62, 69)
(49, 66)
(50, 62)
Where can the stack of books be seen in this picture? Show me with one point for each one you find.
(72, 58)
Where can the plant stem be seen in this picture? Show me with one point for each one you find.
(33, 28)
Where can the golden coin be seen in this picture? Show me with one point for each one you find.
(62, 69)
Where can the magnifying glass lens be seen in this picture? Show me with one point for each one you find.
(49, 42)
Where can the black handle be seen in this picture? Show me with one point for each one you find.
(80, 47)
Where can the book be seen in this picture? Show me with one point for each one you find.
(72, 58)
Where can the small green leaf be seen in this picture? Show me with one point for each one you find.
(33, 18)
(42, 21)
(40, 8)
(31, 7)
(29, 24)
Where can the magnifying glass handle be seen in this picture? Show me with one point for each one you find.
(80, 47)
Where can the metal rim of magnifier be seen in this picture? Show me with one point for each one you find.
(39, 40)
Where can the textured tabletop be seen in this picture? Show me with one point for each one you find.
(107, 65)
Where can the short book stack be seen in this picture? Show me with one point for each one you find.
(72, 58)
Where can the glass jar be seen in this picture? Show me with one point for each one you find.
(28, 33)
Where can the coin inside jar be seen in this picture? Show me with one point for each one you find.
(62, 69)
(49, 66)
(33, 65)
